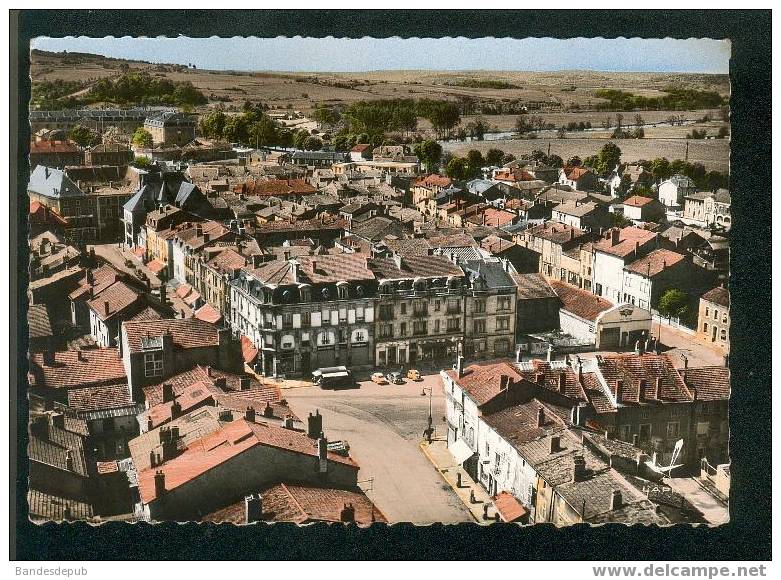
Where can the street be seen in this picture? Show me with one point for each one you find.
(384, 425)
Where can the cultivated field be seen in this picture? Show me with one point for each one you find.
(556, 91)
(712, 153)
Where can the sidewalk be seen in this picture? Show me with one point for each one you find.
(438, 454)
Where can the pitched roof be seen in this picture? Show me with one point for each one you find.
(575, 173)
(38, 321)
(533, 286)
(644, 378)
(415, 266)
(629, 239)
(208, 313)
(638, 201)
(276, 187)
(99, 398)
(483, 381)
(334, 268)
(718, 295)
(708, 383)
(655, 263)
(581, 303)
(99, 366)
(221, 446)
(433, 180)
(46, 506)
(286, 502)
(114, 300)
(186, 332)
(52, 183)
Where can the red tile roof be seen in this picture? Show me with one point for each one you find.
(638, 201)
(102, 278)
(483, 381)
(655, 263)
(99, 366)
(114, 300)
(718, 295)
(53, 147)
(276, 188)
(644, 378)
(304, 504)
(99, 398)
(223, 445)
(187, 333)
(433, 180)
(153, 394)
(248, 350)
(581, 303)
(708, 383)
(190, 398)
(509, 508)
(208, 313)
(575, 173)
(629, 239)
(156, 266)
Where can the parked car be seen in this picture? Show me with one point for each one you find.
(395, 378)
(414, 375)
(379, 378)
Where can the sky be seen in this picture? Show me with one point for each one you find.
(369, 54)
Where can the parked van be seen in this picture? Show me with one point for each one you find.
(333, 378)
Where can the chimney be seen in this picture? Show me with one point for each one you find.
(69, 460)
(578, 468)
(685, 361)
(615, 235)
(540, 417)
(220, 383)
(268, 410)
(563, 383)
(152, 459)
(287, 422)
(616, 501)
(168, 392)
(550, 352)
(176, 409)
(105, 307)
(347, 515)
(518, 354)
(322, 447)
(504, 382)
(244, 384)
(48, 358)
(539, 378)
(314, 266)
(159, 483)
(314, 425)
(249, 415)
(619, 391)
(253, 508)
(640, 347)
(80, 355)
(555, 444)
(657, 388)
(460, 366)
(149, 424)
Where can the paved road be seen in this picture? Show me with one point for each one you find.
(383, 425)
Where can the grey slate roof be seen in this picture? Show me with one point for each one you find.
(52, 183)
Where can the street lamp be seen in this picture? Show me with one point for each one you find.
(429, 431)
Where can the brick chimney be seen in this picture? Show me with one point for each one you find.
(176, 409)
(460, 366)
(555, 444)
(105, 308)
(615, 236)
(253, 508)
(249, 414)
(322, 447)
(540, 417)
(314, 425)
(268, 410)
(616, 501)
(168, 392)
(347, 515)
(578, 468)
(159, 483)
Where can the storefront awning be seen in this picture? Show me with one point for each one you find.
(460, 451)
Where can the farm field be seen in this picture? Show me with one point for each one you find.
(303, 91)
(712, 153)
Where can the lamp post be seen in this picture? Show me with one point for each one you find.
(429, 431)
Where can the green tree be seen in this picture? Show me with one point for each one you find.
(609, 157)
(83, 136)
(494, 156)
(673, 303)
(660, 168)
(142, 162)
(142, 138)
(429, 152)
(212, 125)
(312, 143)
(263, 132)
(457, 168)
(326, 116)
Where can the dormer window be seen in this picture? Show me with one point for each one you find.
(343, 291)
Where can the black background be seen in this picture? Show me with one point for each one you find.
(747, 536)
